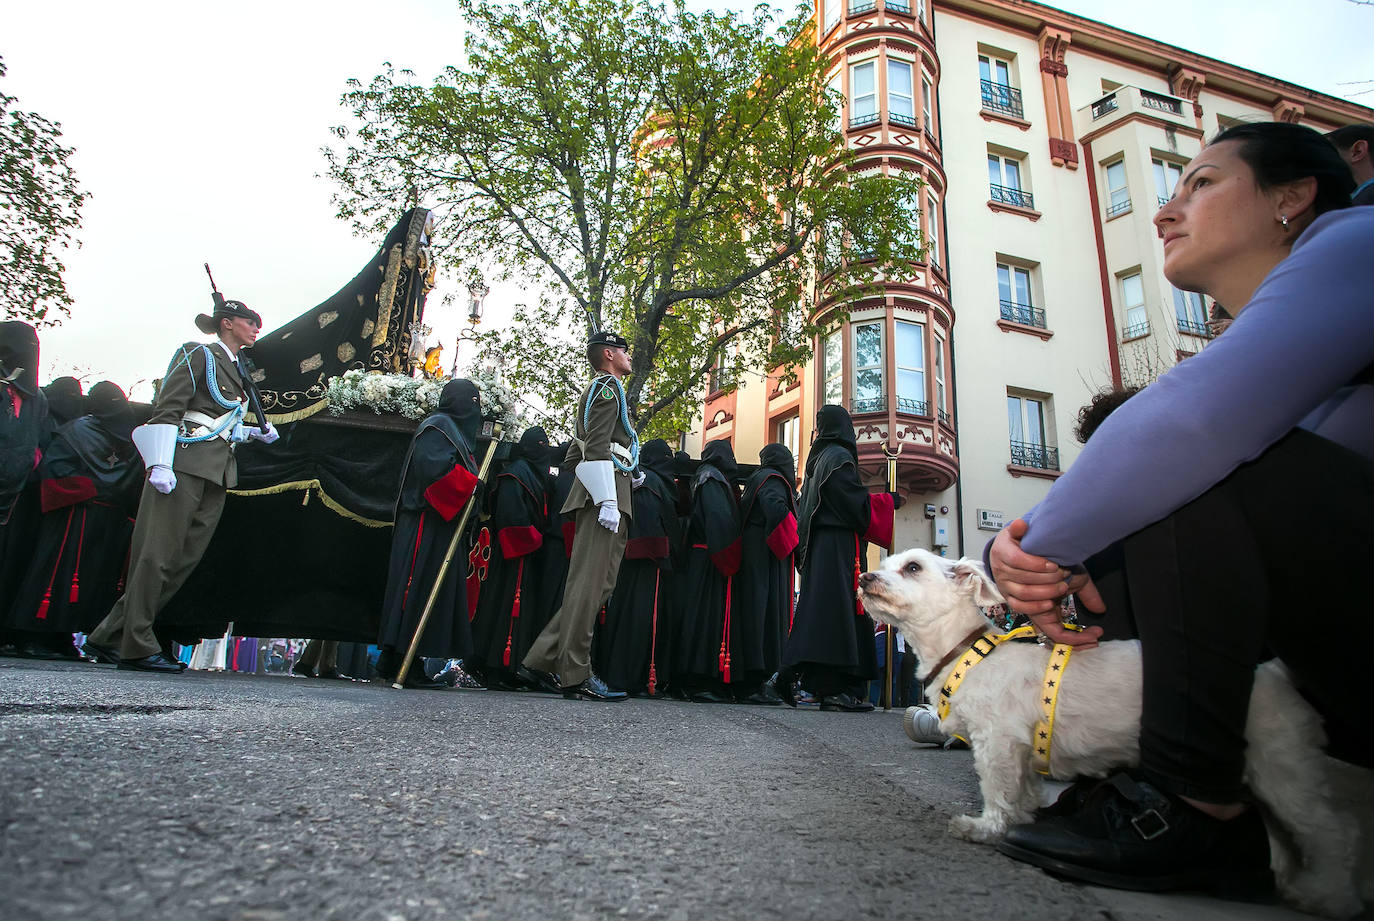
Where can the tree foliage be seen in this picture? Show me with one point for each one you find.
(645, 169)
(40, 212)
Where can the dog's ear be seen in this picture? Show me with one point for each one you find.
(971, 580)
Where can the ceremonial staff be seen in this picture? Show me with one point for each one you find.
(886, 695)
(448, 557)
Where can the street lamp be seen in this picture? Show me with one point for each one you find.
(477, 293)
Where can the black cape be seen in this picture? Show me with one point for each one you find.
(702, 654)
(633, 642)
(24, 432)
(442, 445)
(762, 613)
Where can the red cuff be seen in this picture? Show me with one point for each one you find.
(65, 491)
(646, 548)
(880, 514)
(783, 540)
(569, 530)
(728, 560)
(518, 541)
(450, 493)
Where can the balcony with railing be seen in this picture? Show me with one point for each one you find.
(1194, 328)
(1121, 206)
(1127, 100)
(1011, 196)
(863, 6)
(859, 121)
(913, 407)
(1024, 314)
(897, 6)
(1002, 99)
(945, 420)
(1036, 456)
(901, 118)
(863, 405)
(1135, 331)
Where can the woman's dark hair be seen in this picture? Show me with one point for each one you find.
(1103, 404)
(1279, 153)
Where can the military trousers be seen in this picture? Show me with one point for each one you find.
(565, 645)
(170, 536)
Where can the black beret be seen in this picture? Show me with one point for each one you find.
(210, 324)
(608, 339)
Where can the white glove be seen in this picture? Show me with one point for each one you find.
(266, 437)
(609, 516)
(163, 479)
(637, 480)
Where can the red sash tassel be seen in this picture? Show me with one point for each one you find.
(514, 613)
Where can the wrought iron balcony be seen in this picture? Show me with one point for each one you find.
(1028, 454)
(1120, 207)
(897, 118)
(1163, 103)
(1136, 330)
(897, 6)
(719, 380)
(1194, 329)
(944, 419)
(1024, 314)
(998, 97)
(863, 6)
(914, 407)
(1010, 196)
(1105, 106)
(868, 405)
(858, 121)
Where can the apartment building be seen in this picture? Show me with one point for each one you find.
(1045, 142)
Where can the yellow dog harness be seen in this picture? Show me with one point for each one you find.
(982, 647)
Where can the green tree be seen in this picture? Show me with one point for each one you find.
(40, 212)
(665, 174)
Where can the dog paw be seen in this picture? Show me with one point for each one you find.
(979, 829)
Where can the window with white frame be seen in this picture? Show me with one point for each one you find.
(1167, 174)
(932, 230)
(911, 368)
(901, 100)
(788, 433)
(836, 87)
(940, 380)
(927, 109)
(1005, 181)
(830, 14)
(1118, 195)
(1015, 303)
(1026, 429)
(863, 94)
(833, 363)
(868, 367)
(1133, 303)
(921, 10)
(995, 86)
(1191, 312)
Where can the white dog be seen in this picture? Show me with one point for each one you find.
(934, 602)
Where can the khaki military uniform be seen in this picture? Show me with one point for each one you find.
(172, 531)
(565, 645)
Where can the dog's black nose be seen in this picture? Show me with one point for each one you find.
(868, 578)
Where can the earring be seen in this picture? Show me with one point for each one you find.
(1283, 219)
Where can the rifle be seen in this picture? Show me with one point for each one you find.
(246, 363)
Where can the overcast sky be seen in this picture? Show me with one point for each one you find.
(198, 130)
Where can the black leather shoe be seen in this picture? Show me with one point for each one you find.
(1127, 834)
(761, 698)
(33, 650)
(156, 662)
(784, 684)
(333, 674)
(707, 697)
(544, 681)
(417, 680)
(300, 671)
(593, 689)
(105, 655)
(847, 703)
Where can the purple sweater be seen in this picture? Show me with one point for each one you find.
(1289, 360)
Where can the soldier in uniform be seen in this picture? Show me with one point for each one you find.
(605, 456)
(188, 448)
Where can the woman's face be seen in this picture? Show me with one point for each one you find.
(1218, 223)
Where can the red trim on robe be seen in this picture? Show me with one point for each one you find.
(569, 531)
(728, 560)
(450, 492)
(64, 491)
(783, 540)
(880, 516)
(647, 548)
(519, 540)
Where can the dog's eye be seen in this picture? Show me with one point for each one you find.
(913, 567)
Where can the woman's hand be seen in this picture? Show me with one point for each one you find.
(1034, 585)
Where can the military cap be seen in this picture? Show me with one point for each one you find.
(210, 324)
(608, 339)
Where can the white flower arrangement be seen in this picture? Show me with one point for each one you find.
(416, 398)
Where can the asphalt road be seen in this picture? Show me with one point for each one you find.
(133, 796)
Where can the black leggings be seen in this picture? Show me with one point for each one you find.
(1269, 562)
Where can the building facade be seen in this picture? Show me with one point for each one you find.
(1045, 142)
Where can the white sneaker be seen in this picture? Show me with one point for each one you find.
(923, 725)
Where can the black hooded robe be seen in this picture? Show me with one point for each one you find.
(509, 611)
(24, 432)
(439, 478)
(831, 643)
(90, 481)
(633, 641)
(702, 655)
(762, 613)
(552, 565)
